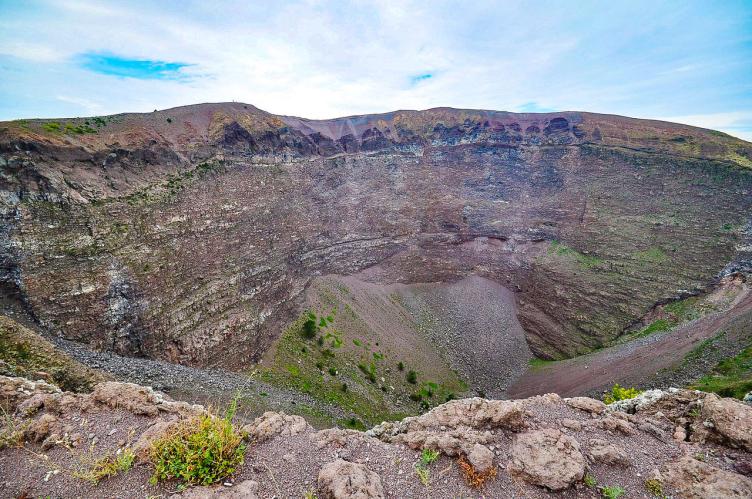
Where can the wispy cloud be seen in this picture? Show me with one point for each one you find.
(143, 69)
(326, 59)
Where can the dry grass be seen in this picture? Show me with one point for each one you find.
(474, 478)
(108, 466)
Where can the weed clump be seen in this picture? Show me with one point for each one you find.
(473, 477)
(108, 466)
(620, 393)
(590, 481)
(612, 492)
(654, 487)
(201, 451)
(412, 377)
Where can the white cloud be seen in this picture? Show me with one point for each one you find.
(320, 59)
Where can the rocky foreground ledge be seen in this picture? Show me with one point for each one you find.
(674, 443)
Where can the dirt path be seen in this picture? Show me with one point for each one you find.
(629, 364)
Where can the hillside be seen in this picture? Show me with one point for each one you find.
(458, 244)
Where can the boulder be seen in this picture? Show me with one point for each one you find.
(547, 458)
(586, 404)
(729, 419)
(614, 424)
(142, 447)
(341, 479)
(481, 458)
(14, 391)
(272, 424)
(693, 479)
(40, 428)
(137, 399)
(600, 451)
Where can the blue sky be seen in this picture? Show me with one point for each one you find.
(689, 62)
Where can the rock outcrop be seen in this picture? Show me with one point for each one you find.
(342, 480)
(534, 447)
(191, 239)
(547, 458)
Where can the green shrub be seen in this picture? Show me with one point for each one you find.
(412, 377)
(202, 450)
(52, 126)
(590, 481)
(310, 328)
(620, 393)
(428, 456)
(400, 366)
(612, 492)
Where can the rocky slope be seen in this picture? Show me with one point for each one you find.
(676, 443)
(190, 234)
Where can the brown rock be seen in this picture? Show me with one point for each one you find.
(600, 451)
(572, 424)
(731, 420)
(247, 489)
(695, 480)
(481, 458)
(131, 397)
(547, 458)
(40, 428)
(586, 404)
(341, 479)
(617, 424)
(272, 424)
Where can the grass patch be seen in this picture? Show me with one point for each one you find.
(108, 466)
(201, 451)
(652, 255)
(360, 381)
(612, 492)
(583, 260)
(732, 377)
(24, 353)
(536, 363)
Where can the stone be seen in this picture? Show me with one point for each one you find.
(586, 404)
(572, 424)
(40, 428)
(547, 458)
(129, 396)
(481, 458)
(600, 451)
(731, 420)
(614, 424)
(344, 480)
(697, 480)
(247, 489)
(272, 424)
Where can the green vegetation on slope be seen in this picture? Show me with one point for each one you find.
(583, 260)
(312, 357)
(672, 315)
(24, 353)
(732, 377)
